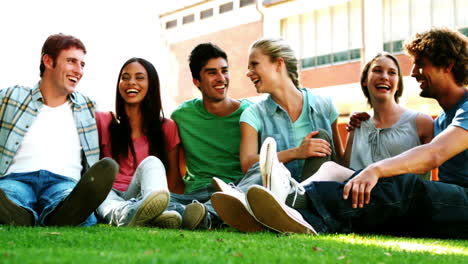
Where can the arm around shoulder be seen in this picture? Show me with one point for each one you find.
(425, 127)
(444, 146)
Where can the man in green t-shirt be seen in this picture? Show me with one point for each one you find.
(210, 135)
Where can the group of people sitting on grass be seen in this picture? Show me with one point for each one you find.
(277, 164)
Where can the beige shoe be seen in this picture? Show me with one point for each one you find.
(234, 211)
(274, 214)
(168, 219)
(195, 215)
(149, 208)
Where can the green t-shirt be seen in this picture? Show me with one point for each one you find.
(211, 143)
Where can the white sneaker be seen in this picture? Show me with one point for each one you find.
(275, 214)
(232, 207)
(275, 176)
(168, 219)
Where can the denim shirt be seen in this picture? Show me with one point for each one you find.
(275, 122)
(19, 108)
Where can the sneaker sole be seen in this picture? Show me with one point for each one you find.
(191, 222)
(271, 213)
(87, 195)
(234, 213)
(168, 220)
(151, 208)
(13, 214)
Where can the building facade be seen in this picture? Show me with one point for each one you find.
(332, 38)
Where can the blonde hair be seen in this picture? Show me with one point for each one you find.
(276, 48)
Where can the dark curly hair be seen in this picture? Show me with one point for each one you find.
(442, 46)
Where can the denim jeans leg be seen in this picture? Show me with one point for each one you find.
(56, 189)
(179, 201)
(202, 195)
(18, 189)
(253, 176)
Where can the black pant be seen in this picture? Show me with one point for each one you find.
(401, 205)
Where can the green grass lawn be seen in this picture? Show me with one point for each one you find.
(104, 244)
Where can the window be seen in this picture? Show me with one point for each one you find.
(326, 36)
(243, 3)
(226, 7)
(206, 13)
(420, 15)
(171, 24)
(396, 18)
(188, 19)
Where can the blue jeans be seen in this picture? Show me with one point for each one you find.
(203, 195)
(39, 192)
(402, 205)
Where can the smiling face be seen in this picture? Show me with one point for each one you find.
(428, 76)
(66, 71)
(133, 84)
(383, 79)
(261, 70)
(214, 80)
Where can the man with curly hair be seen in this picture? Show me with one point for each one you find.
(440, 66)
(387, 196)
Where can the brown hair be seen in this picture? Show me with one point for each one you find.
(365, 72)
(54, 44)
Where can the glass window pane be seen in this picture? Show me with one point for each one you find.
(461, 9)
(323, 31)
(291, 29)
(340, 28)
(308, 35)
(355, 33)
(420, 15)
(399, 19)
(442, 13)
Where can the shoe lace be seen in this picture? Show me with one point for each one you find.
(296, 187)
(233, 186)
(207, 219)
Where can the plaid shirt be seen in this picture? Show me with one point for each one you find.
(19, 107)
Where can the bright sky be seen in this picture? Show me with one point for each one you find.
(112, 31)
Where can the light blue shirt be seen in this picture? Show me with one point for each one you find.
(270, 120)
(454, 170)
(19, 107)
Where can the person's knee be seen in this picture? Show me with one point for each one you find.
(18, 192)
(329, 165)
(151, 163)
(323, 134)
(151, 160)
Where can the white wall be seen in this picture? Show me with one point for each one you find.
(112, 32)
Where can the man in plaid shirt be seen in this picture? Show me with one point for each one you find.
(49, 168)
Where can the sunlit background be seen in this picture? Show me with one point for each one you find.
(112, 32)
(332, 39)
